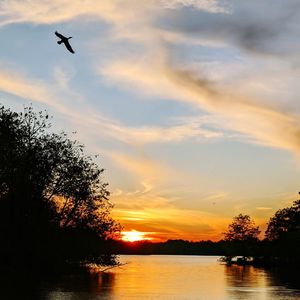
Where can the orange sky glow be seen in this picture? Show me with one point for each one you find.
(134, 236)
(156, 226)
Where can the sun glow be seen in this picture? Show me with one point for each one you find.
(133, 236)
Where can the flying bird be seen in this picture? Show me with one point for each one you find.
(64, 40)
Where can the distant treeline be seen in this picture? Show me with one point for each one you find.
(264, 252)
(170, 247)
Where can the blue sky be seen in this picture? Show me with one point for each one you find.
(192, 104)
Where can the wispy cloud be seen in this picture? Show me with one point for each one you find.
(266, 124)
(263, 123)
(18, 84)
(257, 27)
(47, 12)
(141, 165)
(213, 6)
(147, 134)
(264, 208)
(56, 97)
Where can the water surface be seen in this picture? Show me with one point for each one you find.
(163, 277)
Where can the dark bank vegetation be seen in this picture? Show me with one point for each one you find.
(55, 211)
(281, 243)
(170, 247)
(280, 246)
(242, 239)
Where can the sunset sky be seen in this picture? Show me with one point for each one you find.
(192, 105)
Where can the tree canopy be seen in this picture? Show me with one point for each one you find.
(241, 238)
(47, 183)
(242, 228)
(285, 224)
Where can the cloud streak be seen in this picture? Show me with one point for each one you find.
(265, 124)
(116, 11)
(262, 123)
(12, 82)
(255, 26)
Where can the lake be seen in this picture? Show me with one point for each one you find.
(162, 277)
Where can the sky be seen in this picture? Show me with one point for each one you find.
(192, 105)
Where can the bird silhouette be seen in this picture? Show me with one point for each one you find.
(64, 40)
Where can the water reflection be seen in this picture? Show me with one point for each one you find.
(288, 277)
(81, 286)
(248, 282)
(72, 287)
(158, 277)
(245, 282)
(17, 286)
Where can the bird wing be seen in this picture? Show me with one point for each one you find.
(59, 35)
(68, 46)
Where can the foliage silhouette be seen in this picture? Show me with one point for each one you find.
(51, 193)
(242, 228)
(283, 235)
(242, 237)
(285, 223)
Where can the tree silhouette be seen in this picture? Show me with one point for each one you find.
(242, 228)
(285, 223)
(241, 237)
(48, 187)
(283, 235)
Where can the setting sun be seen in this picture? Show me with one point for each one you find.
(133, 236)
